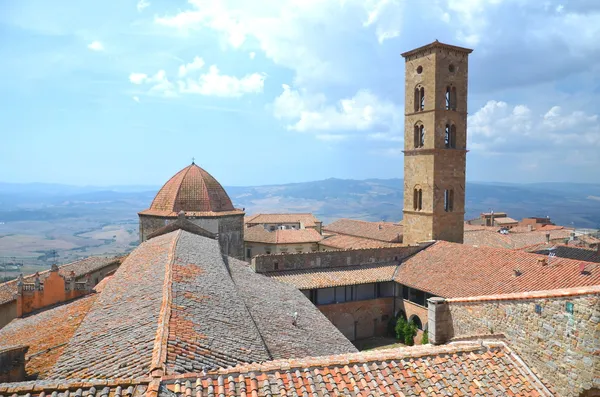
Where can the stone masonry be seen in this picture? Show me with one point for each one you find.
(432, 167)
(557, 333)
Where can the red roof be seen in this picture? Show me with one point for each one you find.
(382, 231)
(307, 219)
(456, 270)
(192, 190)
(258, 234)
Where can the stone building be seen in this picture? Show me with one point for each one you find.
(204, 203)
(435, 142)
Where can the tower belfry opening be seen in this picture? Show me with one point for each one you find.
(435, 142)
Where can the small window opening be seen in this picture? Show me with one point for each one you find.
(451, 68)
(450, 136)
(419, 69)
(418, 199)
(448, 200)
(453, 99)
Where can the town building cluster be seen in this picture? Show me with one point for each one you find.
(217, 303)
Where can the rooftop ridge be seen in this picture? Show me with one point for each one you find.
(363, 357)
(435, 44)
(159, 353)
(553, 293)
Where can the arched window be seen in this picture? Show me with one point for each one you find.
(417, 99)
(418, 199)
(416, 321)
(422, 97)
(448, 200)
(453, 99)
(419, 135)
(450, 136)
(448, 97)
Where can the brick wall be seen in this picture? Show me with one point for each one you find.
(561, 348)
(360, 319)
(325, 259)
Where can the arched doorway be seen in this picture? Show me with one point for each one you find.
(416, 320)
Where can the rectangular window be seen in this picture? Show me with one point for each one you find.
(340, 294)
(248, 252)
(448, 200)
(405, 292)
(365, 291)
(325, 296)
(385, 289)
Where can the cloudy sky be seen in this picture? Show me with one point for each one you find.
(271, 91)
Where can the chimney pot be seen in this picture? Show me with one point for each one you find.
(529, 228)
(547, 237)
(542, 261)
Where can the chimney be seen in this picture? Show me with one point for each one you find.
(380, 227)
(542, 261)
(181, 215)
(548, 237)
(529, 228)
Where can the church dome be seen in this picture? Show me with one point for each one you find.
(192, 190)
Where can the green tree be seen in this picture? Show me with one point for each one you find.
(425, 338)
(401, 328)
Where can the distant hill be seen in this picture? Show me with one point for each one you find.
(36, 219)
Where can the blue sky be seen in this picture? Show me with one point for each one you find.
(128, 91)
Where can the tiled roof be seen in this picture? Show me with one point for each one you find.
(565, 251)
(76, 388)
(466, 369)
(272, 305)
(46, 333)
(333, 277)
(383, 231)
(504, 220)
(79, 268)
(116, 339)
(309, 220)
(258, 234)
(489, 237)
(341, 241)
(176, 305)
(192, 190)
(456, 270)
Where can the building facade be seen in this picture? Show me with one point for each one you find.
(435, 142)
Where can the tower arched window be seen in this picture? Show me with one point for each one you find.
(419, 135)
(448, 200)
(450, 136)
(422, 98)
(417, 99)
(418, 199)
(450, 97)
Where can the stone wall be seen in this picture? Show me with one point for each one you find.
(12, 364)
(231, 235)
(150, 224)
(268, 249)
(8, 312)
(561, 347)
(327, 259)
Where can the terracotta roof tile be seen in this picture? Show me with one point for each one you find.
(490, 237)
(341, 241)
(258, 234)
(77, 388)
(307, 219)
(565, 251)
(46, 333)
(462, 369)
(80, 268)
(194, 191)
(349, 275)
(456, 270)
(383, 231)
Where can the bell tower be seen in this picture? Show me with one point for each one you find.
(435, 142)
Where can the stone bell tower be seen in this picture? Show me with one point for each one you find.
(435, 142)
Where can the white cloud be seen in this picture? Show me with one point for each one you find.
(211, 83)
(96, 46)
(136, 98)
(214, 83)
(196, 64)
(331, 137)
(252, 55)
(142, 4)
(499, 127)
(138, 78)
(363, 112)
(292, 33)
